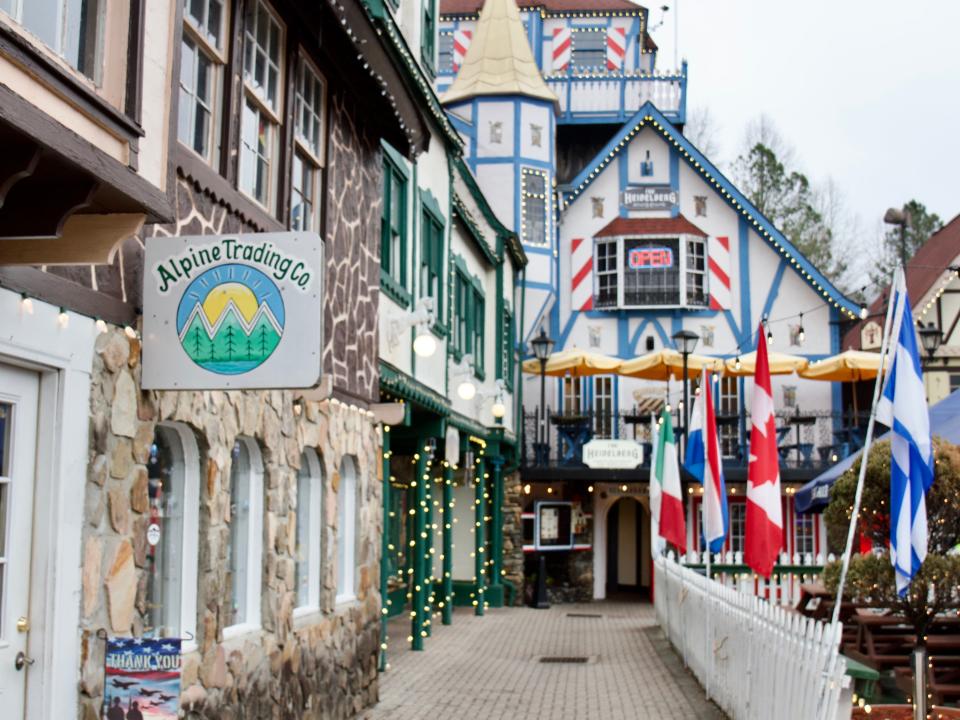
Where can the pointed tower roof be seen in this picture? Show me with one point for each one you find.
(499, 60)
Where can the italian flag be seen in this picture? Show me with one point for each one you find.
(673, 527)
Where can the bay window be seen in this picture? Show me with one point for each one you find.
(262, 107)
(650, 271)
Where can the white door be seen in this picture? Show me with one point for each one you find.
(18, 449)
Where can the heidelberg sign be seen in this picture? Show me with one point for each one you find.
(649, 197)
(233, 311)
(613, 454)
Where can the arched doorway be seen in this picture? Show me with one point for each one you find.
(607, 501)
(627, 536)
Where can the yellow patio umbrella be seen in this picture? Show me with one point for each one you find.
(575, 363)
(668, 365)
(849, 366)
(780, 364)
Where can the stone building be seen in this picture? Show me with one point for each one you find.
(246, 522)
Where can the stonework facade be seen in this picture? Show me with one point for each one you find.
(513, 534)
(324, 666)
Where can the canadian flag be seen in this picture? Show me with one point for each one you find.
(764, 530)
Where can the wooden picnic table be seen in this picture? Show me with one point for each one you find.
(886, 641)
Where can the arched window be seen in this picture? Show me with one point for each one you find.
(173, 489)
(244, 552)
(309, 550)
(347, 532)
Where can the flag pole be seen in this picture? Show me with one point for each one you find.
(858, 496)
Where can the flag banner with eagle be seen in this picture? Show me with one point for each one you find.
(142, 679)
(764, 527)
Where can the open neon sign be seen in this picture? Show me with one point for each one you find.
(650, 257)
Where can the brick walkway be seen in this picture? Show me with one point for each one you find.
(487, 668)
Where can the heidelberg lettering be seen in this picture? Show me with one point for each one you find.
(275, 262)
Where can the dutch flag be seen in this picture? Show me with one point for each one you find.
(902, 409)
(703, 462)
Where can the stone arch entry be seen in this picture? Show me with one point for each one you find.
(606, 496)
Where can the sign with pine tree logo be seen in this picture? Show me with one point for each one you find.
(233, 311)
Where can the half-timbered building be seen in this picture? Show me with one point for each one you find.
(576, 135)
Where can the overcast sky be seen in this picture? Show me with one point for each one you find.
(867, 91)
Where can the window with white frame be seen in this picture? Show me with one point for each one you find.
(533, 206)
(572, 395)
(605, 255)
(262, 107)
(804, 535)
(738, 524)
(728, 425)
(347, 531)
(589, 49)
(647, 271)
(603, 406)
(173, 490)
(202, 58)
(309, 550)
(696, 268)
(73, 29)
(245, 539)
(309, 116)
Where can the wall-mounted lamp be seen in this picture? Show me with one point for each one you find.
(425, 344)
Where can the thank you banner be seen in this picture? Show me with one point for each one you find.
(141, 679)
(233, 311)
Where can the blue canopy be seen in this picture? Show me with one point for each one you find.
(944, 422)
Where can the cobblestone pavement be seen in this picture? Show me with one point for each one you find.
(488, 668)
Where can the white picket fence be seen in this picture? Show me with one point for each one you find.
(756, 660)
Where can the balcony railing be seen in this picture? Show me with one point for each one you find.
(809, 441)
(604, 97)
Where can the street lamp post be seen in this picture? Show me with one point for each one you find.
(542, 347)
(930, 338)
(685, 342)
(901, 218)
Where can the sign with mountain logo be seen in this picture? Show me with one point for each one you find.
(233, 311)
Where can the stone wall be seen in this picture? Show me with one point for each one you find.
(323, 666)
(513, 533)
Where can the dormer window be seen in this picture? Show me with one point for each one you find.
(650, 262)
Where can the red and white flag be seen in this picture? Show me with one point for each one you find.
(764, 530)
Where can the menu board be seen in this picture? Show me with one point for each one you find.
(554, 525)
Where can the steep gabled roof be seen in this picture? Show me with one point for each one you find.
(928, 269)
(472, 7)
(648, 115)
(650, 226)
(499, 60)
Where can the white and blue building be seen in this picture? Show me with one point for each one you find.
(577, 139)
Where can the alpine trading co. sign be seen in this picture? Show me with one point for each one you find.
(228, 312)
(613, 454)
(650, 258)
(649, 197)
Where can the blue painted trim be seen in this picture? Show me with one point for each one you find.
(664, 339)
(732, 324)
(623, 168)
(636, 335)
(836, 389)
(774, 288)
(537, 249)
(567, 329)
(702, 164)
(516, 161)
(675, 177)
(531, 285)
(746, 323)
(623, 341)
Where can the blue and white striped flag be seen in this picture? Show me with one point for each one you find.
(903, 409)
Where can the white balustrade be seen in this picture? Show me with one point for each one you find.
(756, 660)
(616, 94)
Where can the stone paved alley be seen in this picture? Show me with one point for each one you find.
(489, 667)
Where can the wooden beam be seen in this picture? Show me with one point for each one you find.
(86, 240)
(17, 162)
(41, 208)
(61, 292)
(30, 121)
